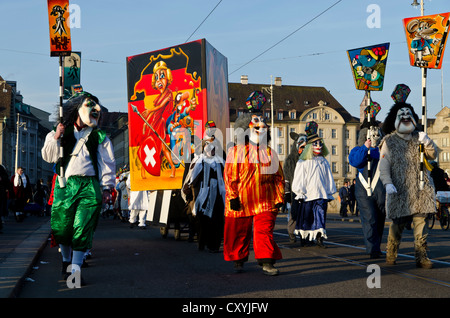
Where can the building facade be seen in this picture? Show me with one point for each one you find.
(293, 107)
(22, 135)
(438, 130)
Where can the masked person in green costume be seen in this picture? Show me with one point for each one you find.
(89, 176)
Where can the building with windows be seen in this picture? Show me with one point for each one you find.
(293, 107)
(22, 134)
(438, 130)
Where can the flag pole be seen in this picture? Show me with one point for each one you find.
(61, 179)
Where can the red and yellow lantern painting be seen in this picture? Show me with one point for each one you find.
(167, 106)
(58, 18)
(426, 37)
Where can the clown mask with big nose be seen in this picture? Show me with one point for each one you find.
(89, 112)
(404, 122)
(317, 147)
(258, 129)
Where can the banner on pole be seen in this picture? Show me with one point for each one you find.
(425, 38)
(72, 72)
(172, 94)
(58, 17)
(368, 66)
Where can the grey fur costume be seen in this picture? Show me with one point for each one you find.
(402, 171)
(290, 163)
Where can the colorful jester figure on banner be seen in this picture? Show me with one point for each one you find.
(369, 66)
(313, 186)
(369, 190)
(425, 36)
(399, 165)
(288, 169)
(254, 184)
(90, 170)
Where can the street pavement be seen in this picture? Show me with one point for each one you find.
(134, 263)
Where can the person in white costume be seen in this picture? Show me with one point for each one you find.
(314, 186)
(89, 175)
(138, 206)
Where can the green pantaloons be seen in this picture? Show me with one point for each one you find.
(75, 212)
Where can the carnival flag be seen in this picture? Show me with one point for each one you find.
(426, 37)
(58, 17)
(372, 110)
(72, 72)
(368, 66)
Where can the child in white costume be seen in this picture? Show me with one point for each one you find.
(314, 186)
(138, 206)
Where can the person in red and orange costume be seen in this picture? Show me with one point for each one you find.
(254, 184)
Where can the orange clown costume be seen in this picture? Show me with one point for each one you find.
(254, 184)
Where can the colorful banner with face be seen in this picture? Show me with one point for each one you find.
(72, 72)
(169, 103)
(368, 66)
(58, 18)
(426, 37)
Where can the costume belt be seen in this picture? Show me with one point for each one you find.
(75, 152)
(370, 187)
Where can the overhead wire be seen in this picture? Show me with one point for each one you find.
(289, 35)
(36, 53)
(203, 21)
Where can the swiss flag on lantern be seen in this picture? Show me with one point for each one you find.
(149, 155)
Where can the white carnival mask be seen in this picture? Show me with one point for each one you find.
(374, 134)
(258, 129)
(89, 112)
(404, 122)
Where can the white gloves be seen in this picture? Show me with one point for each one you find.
(423, 138)
(390, 188)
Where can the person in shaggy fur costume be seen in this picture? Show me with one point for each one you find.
(399, 163)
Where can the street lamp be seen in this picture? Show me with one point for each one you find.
(18, 125)
(270, 91)
(415, 4)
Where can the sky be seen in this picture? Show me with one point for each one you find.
(303, 42)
